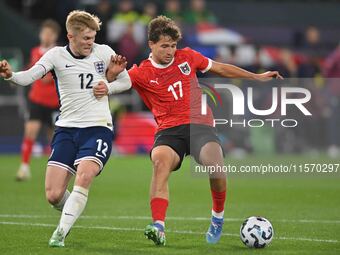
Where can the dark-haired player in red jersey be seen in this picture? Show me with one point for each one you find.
(168, 85)
(43, 99)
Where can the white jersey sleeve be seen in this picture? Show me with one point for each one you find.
(36, 72)
(47, 61)
(122, 82)
(25, 78)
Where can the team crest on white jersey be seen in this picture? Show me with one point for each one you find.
(99, 66)
(185, 68)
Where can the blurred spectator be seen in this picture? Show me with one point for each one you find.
(198, 14)
(63, 8)
(104, 12)
(309, 45)
(173, 10)
(125, 17)
(126, 32)
(308, 40)
(332, 72)
(149, 12)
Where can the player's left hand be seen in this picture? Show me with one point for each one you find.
(100, 90)
(267, 76)
(117, 65)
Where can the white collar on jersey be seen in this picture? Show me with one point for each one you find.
(159, 65)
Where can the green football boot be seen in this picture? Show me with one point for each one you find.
(57, 238)
(155, 232)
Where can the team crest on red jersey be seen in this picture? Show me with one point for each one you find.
(185, 68)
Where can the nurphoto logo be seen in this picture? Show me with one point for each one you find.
(280, 98)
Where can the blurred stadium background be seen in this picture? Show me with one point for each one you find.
(298, 38)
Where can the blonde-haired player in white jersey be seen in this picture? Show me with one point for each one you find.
(83, 138)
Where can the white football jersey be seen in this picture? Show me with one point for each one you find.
(74, 77)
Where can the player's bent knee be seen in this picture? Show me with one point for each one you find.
(212, 159)
(164, 158)
(161, 165)
(54, 196)
(211, 155)
(84, 179)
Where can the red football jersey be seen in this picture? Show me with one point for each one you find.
(172, 92)
(43, 91)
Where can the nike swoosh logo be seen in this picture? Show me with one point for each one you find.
(98, 155)
(67, 66)
(68, 214)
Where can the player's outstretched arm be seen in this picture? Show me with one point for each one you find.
(5, 69)
(117, 65)
(231, 71)
(23, 78)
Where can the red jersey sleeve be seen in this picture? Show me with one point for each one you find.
(200, 62)
(134, 74)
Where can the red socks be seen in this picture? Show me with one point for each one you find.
(160, 205)
(26, 150)
(218, 200)
(158, 208)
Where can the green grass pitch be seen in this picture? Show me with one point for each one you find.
(304, 210)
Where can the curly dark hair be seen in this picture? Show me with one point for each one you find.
(163, 26)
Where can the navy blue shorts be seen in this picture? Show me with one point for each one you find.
(72, 145)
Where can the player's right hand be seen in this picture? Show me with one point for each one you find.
(117, 64)
(267, 76)
(5, 69)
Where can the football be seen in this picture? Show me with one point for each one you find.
(256, 232)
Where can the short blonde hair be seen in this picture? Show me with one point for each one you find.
(78, 21)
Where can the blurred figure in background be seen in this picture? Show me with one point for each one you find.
(125, 32)
(149, 12)
(43, 99)
(309, 44)
(104, 12)
(173, 10)
(309, 40)
(198, 14)
(332, 72)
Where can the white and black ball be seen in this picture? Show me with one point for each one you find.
(256, 232)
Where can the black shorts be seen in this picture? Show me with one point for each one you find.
(186, 140)
(42, 113)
